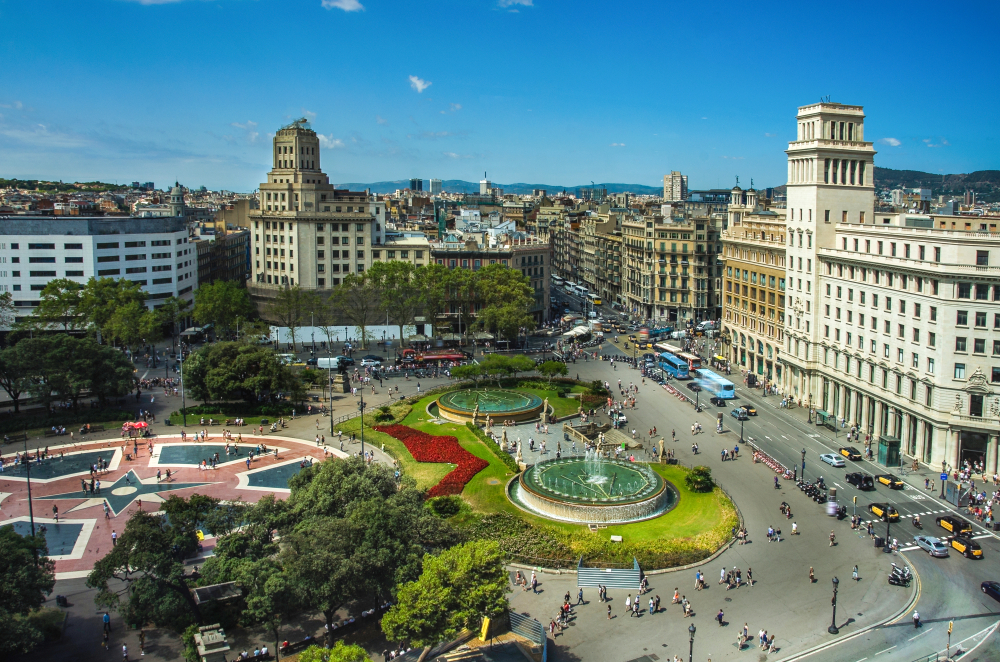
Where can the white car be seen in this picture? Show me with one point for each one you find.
(932, 545)
(370, 363)
(832, 460)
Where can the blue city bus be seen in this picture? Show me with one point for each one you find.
(718, 386)
(673, 366)
(658, 334)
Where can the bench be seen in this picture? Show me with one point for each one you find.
(11, 438)
(298, 646)
(53, 433)
(94, 428)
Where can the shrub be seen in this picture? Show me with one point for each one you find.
(240, 409)
(445, 506)
(699, 479)
(596, 387)
(501, 454)
(190, 647)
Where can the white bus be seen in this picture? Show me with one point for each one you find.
(557, 281)
(581, 291)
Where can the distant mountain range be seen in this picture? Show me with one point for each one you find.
(518, 188)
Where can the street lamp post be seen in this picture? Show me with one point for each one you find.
(803, 464)
(180, 363)
(888, 524)
(742, 421)
(691, 630)
(833, 625)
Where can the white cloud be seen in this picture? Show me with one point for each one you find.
(16, 105)
(381, 120)
(308, 113)
(419, 84)
(346, 5)
(510, 3)
(617, 145)
(250, 128)
(704, 118)
(455, 107)
(155, 2)
(930, 142)
(769, 135)
(891, 142)
(431, 135)
(453, 155)
(330, 142)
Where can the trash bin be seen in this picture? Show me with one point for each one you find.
(879, 541)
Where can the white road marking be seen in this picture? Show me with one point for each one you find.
(921, 634)
(863, 659)
(985, 535)
(885, 651)
(909, 549)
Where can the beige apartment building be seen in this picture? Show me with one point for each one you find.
(753, 300)
(307, 232)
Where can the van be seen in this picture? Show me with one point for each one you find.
(678, 335)
(333, 362)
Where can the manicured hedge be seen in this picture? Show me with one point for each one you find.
(503, 455)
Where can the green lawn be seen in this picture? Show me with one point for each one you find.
(427, 474)
(561, 406)
(697, 525)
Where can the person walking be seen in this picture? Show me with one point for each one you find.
(916, 619)
(833, 539)
(579, 597)
(609, 611)
(125, 652)
(628, 604)
(854, 574)
(812, 576)
(107, 621)
(719, 617)
(750, 577)
(114, 538)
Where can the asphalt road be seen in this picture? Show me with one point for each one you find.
(948, 588)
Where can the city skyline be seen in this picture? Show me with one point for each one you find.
(511, 89)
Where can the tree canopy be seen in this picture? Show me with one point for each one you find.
(455, 590)
(26, 577)
(227, 371)
(222, 303)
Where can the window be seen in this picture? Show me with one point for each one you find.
(930, 366)
(115, 245)
(133, 258)
(42, 274)
(135, 270)
(41, 260)
(915, 360)
(964, 290)
(108, 272)
(135, 244)
(71, 274)
(70, 247)
(933, 313)
(995, 376)
(961, 344)
(962, 318)
(932, 339)
(107, 258)
(982, 258)
(979, 346)
(41, 247)
(959, 371)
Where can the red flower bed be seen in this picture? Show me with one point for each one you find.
(430, 448)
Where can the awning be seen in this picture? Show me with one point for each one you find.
(482, 335)
(136, 424)
(450, 336)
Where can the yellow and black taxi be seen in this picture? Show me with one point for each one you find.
(966, 546)
(890, 480)
(749, 409)
(884, 512)
(954, 524)
(851, 453)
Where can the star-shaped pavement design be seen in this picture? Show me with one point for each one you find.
(120, 494)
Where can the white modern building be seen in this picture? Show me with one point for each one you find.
(152, 252)
(893, 320)
(435, 186)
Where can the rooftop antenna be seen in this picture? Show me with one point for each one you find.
(737, 180)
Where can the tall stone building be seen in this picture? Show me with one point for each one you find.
(307, 232)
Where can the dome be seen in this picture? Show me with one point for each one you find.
(737, 189)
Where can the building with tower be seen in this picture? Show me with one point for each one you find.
(307, 232)
(893, 319)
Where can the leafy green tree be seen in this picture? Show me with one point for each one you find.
(290, 307)
(147, 560)
(506, 299)
(7, 309)
(270, 596)
(15, 374)
(471, 371)
(173, 311)
(102, 297)
(27, 575)
(340, 652)
(110, 375)
(222, 303)
(551, 369)
(456, 590)
(132, 324)
(432, 286)
(699, 479)
(398, 288)
(226, 371)
(496, 366)
(357, 299)
(520, 363)
(58, 305)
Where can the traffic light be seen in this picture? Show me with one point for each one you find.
(855, 501)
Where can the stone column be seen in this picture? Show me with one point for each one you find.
(921, 438)
(952, 454)
(991, 454)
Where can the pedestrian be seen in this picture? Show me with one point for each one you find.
(833, 539)
(628, 604)
(609, 611)
(114, 538)
(854, 573)
(916, 619)
(750, 577)
(579, 597)
(719, 617)
(812, 576)
(107, 621)
(125, 652)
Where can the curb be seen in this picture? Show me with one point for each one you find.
(891, 619)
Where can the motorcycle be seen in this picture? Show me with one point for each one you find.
(916, 523)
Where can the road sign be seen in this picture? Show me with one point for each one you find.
(944, 476)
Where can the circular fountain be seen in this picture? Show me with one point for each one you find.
(591, 490)
(475, 405)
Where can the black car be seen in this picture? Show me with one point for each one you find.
(718, 402)
(311, 361)
(992, 589)
(860, 480)
(694, 386)
(345, 360)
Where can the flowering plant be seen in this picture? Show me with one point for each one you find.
(438, 448)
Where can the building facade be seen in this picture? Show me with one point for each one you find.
(151, 252)
(753, 300)
(675, 187)
(307, 232)
(894, 319)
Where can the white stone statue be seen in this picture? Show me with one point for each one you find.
(545, 412)
(520, 459)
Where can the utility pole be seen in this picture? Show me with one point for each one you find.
(27, 468)
(362, 391)
(180, 362)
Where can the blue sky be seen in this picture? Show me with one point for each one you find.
(543, 91)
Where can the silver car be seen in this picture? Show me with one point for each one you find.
(932, 545)
(832, 460)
